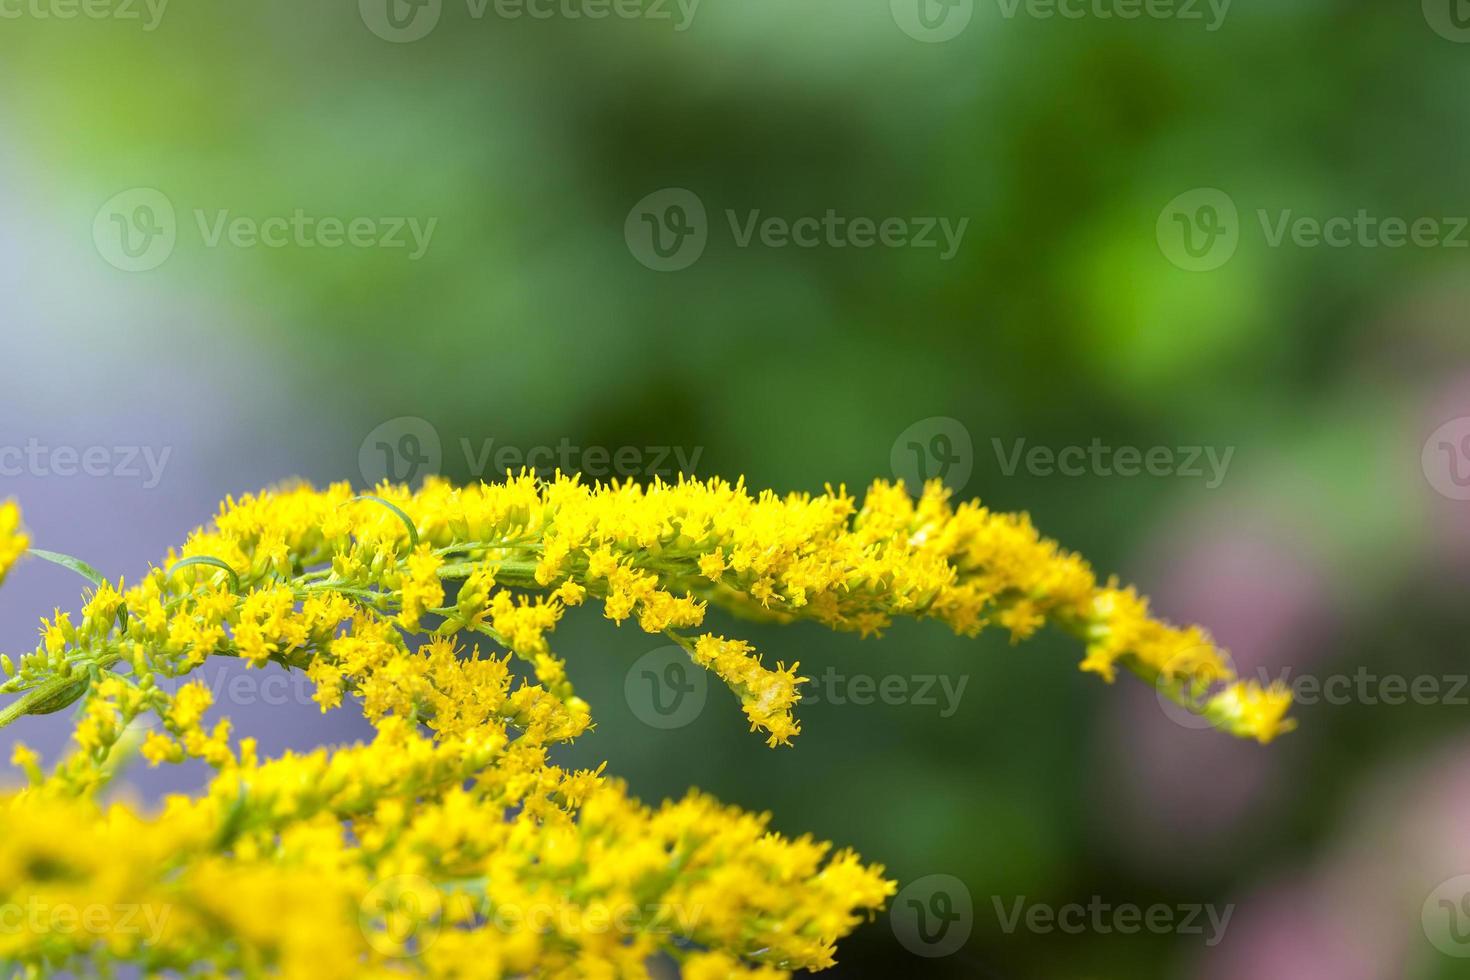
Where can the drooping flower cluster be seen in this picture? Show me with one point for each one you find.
(451, 844)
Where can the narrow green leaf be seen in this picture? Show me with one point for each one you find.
(85, 571)
(75, 564)
(413, 532)
(212, 563)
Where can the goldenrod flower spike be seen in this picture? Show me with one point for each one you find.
(13, 541)
(451, 845)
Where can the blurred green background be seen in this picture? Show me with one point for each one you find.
(1080, 152)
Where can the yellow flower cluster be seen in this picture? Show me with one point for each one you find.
(451, 845)
(13, 542)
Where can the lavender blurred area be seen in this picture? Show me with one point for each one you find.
(129, 413)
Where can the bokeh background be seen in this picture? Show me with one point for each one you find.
(1120, 280)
